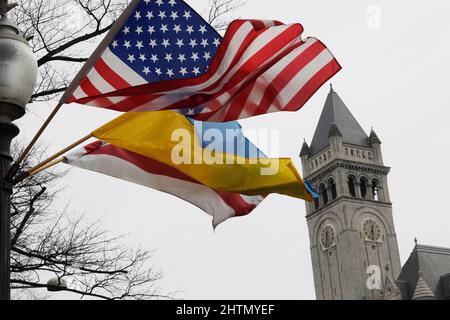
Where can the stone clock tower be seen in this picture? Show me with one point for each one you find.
(354, 247)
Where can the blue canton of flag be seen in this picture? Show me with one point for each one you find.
(166, 40)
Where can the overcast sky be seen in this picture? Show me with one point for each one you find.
(394, 78)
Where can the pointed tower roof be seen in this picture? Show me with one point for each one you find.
(423, 291)
(305, 149)
(373, 138)
(335, 111)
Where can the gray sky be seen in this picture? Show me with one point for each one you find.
(394, 78)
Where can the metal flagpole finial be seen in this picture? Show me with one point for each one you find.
(5, 7)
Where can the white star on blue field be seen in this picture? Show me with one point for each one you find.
(166, 40)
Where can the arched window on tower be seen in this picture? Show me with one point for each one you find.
(364, 187)
(323, 194)
(332, 188)
(352, 185)
(376, 190)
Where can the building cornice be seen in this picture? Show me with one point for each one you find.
(349, 165)
(350, 199)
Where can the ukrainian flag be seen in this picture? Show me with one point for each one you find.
(216, 154)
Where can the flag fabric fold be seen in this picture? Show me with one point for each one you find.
(170, 138)
(126, 165)
(164, 56)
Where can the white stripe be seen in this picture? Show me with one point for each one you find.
(79, 93)
(266, 79)
(124, 71)
(255, 97)
(253, 49)
(220, 100)
(103, 86)
(201, 196)
(260, 83)
(277, 68)
(254, 200)
(99, 83)
(299, 81)
(268, 23)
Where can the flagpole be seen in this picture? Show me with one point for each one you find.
(76, 81)
(15, 167)
(36, 168)
(47, 166)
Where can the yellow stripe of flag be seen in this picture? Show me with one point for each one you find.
(151, 134)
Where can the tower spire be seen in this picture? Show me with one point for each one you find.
(335, 111)
(373, 138)
(305, 149)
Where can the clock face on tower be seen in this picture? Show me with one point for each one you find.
(372, 230)
(328, 237)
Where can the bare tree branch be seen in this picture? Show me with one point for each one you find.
(221, 12)
(60, 31)
(50, 55)
(47, 93)
(65, 245)
(27, 216)
(64, 58)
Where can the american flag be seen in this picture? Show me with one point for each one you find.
(162, 55)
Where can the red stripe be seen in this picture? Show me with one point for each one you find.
(90, 90)
(250, 106)
(271, 89)
(152, 166)
(236, 202)
(313, 85)
(258, 24)
(287, 74)
(110, 76)
(147, 164)
(220, 113)
(237, 104)
(275, 45)
(133, 101)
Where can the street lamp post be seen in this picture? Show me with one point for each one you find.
(18, 73)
